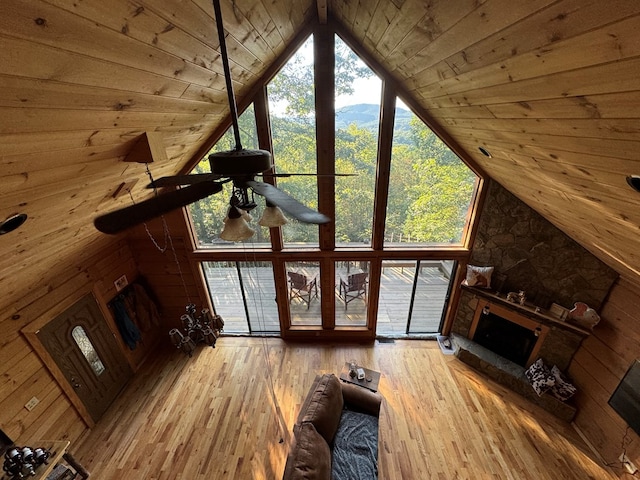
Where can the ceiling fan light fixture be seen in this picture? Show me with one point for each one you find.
(236, 228)
(246, 216)
(272, 217)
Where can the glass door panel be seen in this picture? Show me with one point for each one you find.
(226, 295)
(303, 287)
(396, 289)
(260, 294)
(432, 288)
(352, 293)
(243, 294)
(413, 296)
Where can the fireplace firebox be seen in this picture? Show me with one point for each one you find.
(507, 333)
(506, 338)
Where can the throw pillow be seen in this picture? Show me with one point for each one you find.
(310, 457)
(562, 390)
(325, 407)
(539, 376)
(478, 276)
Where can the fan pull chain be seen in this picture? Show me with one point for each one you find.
(168, 241)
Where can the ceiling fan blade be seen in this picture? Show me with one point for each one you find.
(119, 220)
(176, 180)
(288, 204)
(286, 175)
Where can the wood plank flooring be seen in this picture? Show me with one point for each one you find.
(212, 417)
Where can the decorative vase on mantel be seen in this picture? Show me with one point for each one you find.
(583, 315)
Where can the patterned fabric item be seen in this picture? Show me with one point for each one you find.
(539, 376)
(562, 390)
(355, 447)
(478, 276)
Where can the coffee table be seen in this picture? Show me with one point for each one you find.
(371, 378)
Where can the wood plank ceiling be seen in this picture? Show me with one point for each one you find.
(550, 88)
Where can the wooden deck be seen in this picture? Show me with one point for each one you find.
(393, 308)
(213, 416)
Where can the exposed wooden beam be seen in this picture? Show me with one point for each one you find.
(149, 148)
(322, 11)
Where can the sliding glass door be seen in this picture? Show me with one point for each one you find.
(413, 296)
(244, 295)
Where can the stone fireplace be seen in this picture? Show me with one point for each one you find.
(501, 339)
(529, 254)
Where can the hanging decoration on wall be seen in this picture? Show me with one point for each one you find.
(204, 328)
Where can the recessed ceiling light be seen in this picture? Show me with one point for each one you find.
(13, 222)
(634, 182)
(485, 152)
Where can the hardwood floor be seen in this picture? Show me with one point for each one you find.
(212, 416)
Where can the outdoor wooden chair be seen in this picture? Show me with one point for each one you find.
(303, 288)
(354, 287)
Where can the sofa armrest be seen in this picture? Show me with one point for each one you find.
(307, 400)
(361, 399)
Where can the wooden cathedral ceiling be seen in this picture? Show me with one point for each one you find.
(550, 88)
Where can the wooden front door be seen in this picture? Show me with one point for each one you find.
(84, 349)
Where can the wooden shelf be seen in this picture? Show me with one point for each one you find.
(541, 316)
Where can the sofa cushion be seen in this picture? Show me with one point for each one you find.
(310, 457)
(325, 407)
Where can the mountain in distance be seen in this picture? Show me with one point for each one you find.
(366, 115)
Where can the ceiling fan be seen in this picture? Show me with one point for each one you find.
(239, 166)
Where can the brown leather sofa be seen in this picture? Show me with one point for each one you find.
(329, 407)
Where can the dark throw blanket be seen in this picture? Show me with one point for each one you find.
(355, 447)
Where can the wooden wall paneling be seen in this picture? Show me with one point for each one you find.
(43, 119)
(612, 77)
(605, 129)
(70, 32)
(49, 62)
(598, 367)
(423, 23)
(260, 19)
(559, 21)
(486, 19)
(141, 23)
(616, 105)
(282, 16)
(584, 145)
(610, 43)
(359, 23)
(34, 93)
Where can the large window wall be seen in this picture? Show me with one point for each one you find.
(401, 215)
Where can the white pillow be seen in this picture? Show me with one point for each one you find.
(478, 276)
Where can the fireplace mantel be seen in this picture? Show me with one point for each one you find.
(526, 310)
